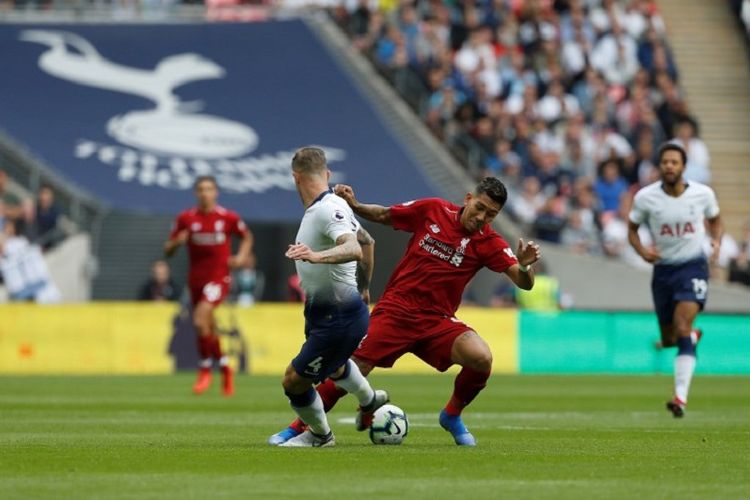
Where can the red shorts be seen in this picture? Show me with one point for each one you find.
(391, 335)
(213, 292)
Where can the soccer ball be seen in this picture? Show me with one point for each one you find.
(389, 425)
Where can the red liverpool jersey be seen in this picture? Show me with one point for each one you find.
(440, 259)
(209, 242)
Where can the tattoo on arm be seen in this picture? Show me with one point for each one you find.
(364, 238)
(347, 249)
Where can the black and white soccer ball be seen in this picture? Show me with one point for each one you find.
(389, 425)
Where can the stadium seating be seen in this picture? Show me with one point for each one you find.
(542, 94)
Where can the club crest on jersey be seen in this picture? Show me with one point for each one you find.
(435, 228)
(338, 215)
(195, 226)
(458, 257)
(219, 225)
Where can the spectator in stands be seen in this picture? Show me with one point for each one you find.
(654, 55)
(578, 236)
(615, 55)
(615, 235)
(527, 205)
(556, 104)
(10, 204)
(645, 159)
(728, 251)
(23, 268)
(610, 186)
(503, 159)
(739, 266)
(551, 220)
(698, 160)
(160, 286)
(45, 227)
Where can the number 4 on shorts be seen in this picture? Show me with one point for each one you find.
(316, 364)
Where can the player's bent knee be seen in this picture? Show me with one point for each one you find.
(293, 383)
(481, 362)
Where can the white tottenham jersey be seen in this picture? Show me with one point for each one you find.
(326, 220)
(676, 223)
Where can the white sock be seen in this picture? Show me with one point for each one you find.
(684, 366)
(205, 363)
(314, 416)
(356, 383)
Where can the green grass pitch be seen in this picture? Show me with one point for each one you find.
(538, 436)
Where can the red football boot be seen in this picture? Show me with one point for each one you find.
(203, 382)
(227, 382)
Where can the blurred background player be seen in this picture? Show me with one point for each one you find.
(336, 317)
(676, 211)
(207, 230)
(417, 310)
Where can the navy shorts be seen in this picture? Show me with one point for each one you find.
(673, 283)
(332, 333)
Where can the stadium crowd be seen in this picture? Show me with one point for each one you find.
(566, 100)
(28, 227)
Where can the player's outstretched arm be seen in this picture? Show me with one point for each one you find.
(522, 274)
(648, 254)
(242, 258)
(347, 249)
(172, 244)
(373, 213)
(366, 264)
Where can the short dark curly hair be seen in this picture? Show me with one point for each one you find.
(494, 188)
(205, 178)
(671, 146)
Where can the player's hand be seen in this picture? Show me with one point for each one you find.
(527, 253)
(715, 249)
(650, 255)
(235, 262)
(181, 237)
(346, 192)
(365, 294)
(300, 251)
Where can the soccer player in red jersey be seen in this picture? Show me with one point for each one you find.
(416, 313)
(207, 230)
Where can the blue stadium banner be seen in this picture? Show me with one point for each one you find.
(133, 113)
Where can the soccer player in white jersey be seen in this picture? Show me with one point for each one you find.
(675, 211)
(328, 245)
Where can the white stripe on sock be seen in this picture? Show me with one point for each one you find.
(356, 384)
(314, 416)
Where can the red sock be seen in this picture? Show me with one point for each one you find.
(467, 386)
(330, 393)
(205, 348)
(215, 347)
(298, 425)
